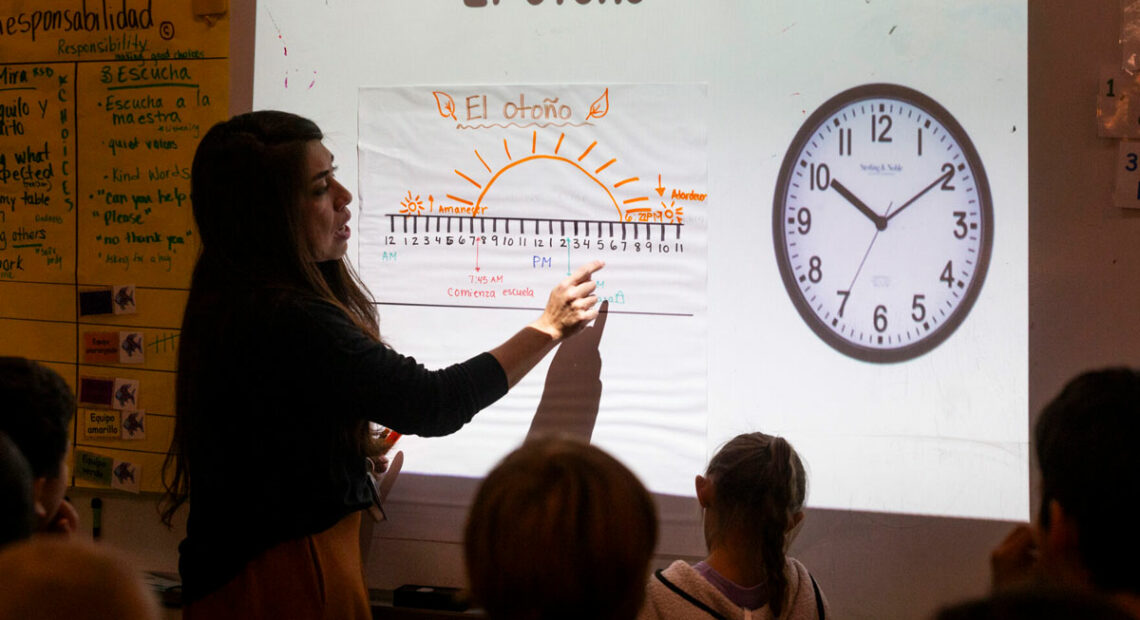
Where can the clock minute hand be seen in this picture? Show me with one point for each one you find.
(880, 221)
(941, 179)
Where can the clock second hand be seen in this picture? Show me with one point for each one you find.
(851, 286)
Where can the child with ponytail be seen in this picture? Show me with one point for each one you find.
(753, 497)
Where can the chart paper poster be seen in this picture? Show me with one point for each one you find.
(102, 105)
(476, 200)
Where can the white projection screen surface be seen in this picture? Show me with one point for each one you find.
(829, 202)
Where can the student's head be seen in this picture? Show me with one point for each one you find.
(37, 408)
(52, 578)
(753, 495)
(560, 529)
(17, 519)
(1090, 476)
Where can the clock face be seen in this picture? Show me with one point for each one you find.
(882, 223)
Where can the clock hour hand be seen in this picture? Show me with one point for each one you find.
(941, 179)
(880, 221)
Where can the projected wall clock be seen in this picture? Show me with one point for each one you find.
(883, 223)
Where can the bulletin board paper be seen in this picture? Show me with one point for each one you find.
(101, 108)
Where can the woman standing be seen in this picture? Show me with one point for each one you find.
(281, 369)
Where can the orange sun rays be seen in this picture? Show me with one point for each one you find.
(535, 155)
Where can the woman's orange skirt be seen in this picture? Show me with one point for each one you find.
(317, 576)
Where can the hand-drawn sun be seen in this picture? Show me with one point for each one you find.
(536, 163)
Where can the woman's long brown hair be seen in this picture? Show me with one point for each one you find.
(247, 182)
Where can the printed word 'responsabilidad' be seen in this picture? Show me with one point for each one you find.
(95, 18)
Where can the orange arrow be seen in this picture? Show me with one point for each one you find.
(660, 189)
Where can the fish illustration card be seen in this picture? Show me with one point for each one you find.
(131, 348)
(123, 299)
(126, 394)
(134, 424)
(125, 476)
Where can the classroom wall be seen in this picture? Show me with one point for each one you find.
(1081, 295)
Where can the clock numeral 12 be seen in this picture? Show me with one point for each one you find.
(883, 122)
